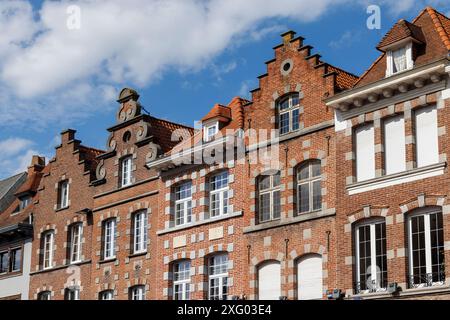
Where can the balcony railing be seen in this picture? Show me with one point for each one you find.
(427, 280)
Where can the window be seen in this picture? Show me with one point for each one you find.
(218, 277)
(219, 194)
(137, 293)
(269, 197)
(63, 194)
(109, 239)
(4, 257)
(394, 145)
(48, 239)
(426, 248)
(181, 280)
(371, 260)
(289, 113)
(24, 202)
(310, 278)
(126, 167)
(309, 190)
(399, 60)
(44, 295)
(140, 232)
(427, 146)
(76, 236)
(183, 204)
(72, 294)
(107, 295)
(210, 131)
(11, 260)
(365, 152)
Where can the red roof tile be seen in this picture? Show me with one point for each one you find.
(400, 31)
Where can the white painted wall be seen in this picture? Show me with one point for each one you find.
(21, 284)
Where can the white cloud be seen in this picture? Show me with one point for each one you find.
(246, 86)
(15, 156)
(49, 73)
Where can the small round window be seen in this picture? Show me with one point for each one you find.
(286, 67)
(127, 136)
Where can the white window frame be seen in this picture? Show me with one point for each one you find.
(24, 202)
(140, 234)
(394, 153)
(184, 215)
(289, 111)
(72, 294)
(271, 192)
(48, 244)
(374, 275)
(418, 147)
(126, 166)
(137, 293)
(426, 213)
(390, 59)
(221, 195)
(207, 136)
(107, 295)
(310, 183)
(109, 240)
(221, 278)
(76, 242)
(364, 159)
(63, 194)
(182, 280)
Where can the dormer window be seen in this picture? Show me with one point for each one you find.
(24, 202)
(210, 130)
(399, 59)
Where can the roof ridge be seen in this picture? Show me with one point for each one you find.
(345, 71)
(172, 122)
(438, 26)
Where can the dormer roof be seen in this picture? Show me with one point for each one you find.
(402, 30)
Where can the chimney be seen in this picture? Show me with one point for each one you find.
(37, 164)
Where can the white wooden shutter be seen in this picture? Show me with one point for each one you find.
(309, 278)
(269, 281)
(427, 148)
(365, 152)
(394, 145)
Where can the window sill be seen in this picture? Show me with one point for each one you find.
(62, 209)
(438, 289)
(10, 275)
(199, 223)
(137, 254)
(107, 260)
(291, 220)
(397, 178)
(60, 267)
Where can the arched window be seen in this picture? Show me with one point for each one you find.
(218, 277)
(269, 281)
(140, 232)
(289, 113)
(426, 247)
(137, 293)
(309, 186)
(106, 295)
(269, 197)
(75, 242)
(371, 258)
(47, 247)
(181, 280)
(44, 295)
(218, 202)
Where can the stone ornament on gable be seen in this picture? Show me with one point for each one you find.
(112, 144)
(154, 152)
(142, 131)
(100, 172)
(129, 105)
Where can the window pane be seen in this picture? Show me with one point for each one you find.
(303, 191)
(284, 123)
(276, 205)
(317, 195)
(295, 119)
(418, 249)
(264, 207)
(276, 179)
(316, 168)
(264, 182)
(304, 172)
(295, 100)
(3, 262)
(219, 181)
(284, 104)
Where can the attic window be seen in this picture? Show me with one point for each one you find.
(209, 131)
(399, 60)
(24, 202)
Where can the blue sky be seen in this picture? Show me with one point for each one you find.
(182, 57)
